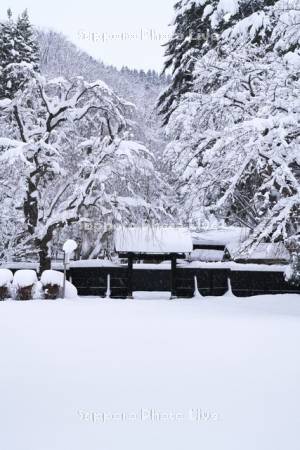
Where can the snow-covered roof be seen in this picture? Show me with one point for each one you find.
(221, 236)
(264, 251)
(153, 240)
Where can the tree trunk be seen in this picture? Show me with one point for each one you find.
(45, 260)
(30, 206)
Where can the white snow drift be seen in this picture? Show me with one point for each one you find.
(213, 374)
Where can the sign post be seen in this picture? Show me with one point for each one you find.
(68, 248)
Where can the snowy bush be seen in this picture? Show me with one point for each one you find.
(52, 277)
(292, 273)
(23, 284)
(52, 283)
(6, 278)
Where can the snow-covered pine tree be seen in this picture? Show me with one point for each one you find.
(17, 44)
(27, 43)
(8, 52)
(199, 26)
(236, 135)
(189, 36)
(277, 163)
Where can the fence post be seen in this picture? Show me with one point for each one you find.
(173, 276)
(65, 276)
(197, 292)
(129, 275)
(108, 291)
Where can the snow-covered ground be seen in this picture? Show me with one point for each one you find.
(177, 375)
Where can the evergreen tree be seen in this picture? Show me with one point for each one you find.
(7, 36)
(235, 136)
(17, 45)
(190, 36)
(199, 27)
(7, 49)
(28, 48)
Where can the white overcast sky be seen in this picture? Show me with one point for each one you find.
(91, 25)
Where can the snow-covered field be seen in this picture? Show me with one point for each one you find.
(150, 374)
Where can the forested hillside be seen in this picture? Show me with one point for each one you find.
(59, 57)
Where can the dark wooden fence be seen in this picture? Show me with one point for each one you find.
(92, 281)
(248, 283)
(211, 282)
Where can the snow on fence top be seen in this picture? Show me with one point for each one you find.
(156, 240)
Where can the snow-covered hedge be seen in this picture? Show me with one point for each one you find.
(24, 278)
(52, 277)
(23, 284)
(52, 283)
(6, 278)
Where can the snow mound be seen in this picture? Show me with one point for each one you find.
(24, 278)
(71, 291)
(52, 277)
(6, 277)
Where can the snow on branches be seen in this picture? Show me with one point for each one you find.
(68, 144)
(235, 137)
